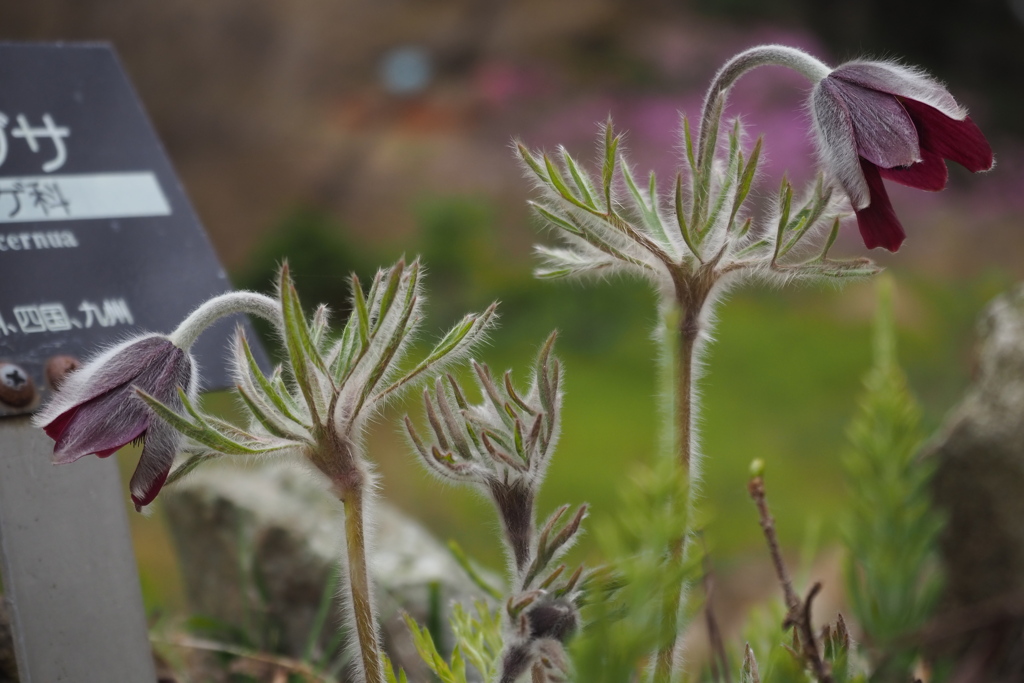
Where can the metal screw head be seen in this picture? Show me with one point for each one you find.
(58, 367)
(17, 389)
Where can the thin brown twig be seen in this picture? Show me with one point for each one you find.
(286, 663)
(757, 493)
(807, 640)
(799, 611)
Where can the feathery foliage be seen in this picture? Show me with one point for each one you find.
(891, 530)
(612, 222)
(623, 621)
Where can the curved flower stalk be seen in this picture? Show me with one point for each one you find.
(697, 238)
(318, 406)
(502, 447)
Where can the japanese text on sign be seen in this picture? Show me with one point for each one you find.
(69, 197)
(33, 196)
(54, 317)
(32, 136)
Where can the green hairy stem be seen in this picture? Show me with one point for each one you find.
(679, 339)
(359, 586)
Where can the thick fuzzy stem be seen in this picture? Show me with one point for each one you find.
(668, 377)
(687, 340)
(359, 586)
(762, 55)
(681, 332)
(216, 308)
(341, 462)
(682, 321)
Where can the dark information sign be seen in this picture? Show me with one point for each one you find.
(97, 237)
(97, 242)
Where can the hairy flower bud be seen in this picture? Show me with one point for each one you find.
(97, 410)
(556, 619)
(501, 446)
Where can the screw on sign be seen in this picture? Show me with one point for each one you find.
(14, 378)
(16, 386)
(58, 368)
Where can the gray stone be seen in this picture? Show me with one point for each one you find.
(980, 478)
(259, 546)
(979, 484)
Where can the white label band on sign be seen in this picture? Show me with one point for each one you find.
(31, 199)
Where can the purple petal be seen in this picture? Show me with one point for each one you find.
(885, 134)
(104, 424)
(901, 81)
(155, 464)
(879, 226)
(959, 141)
(55, 427)
(837, 144)
(107, 422)
(123, 367)
(163, 380)
(162, 440)
(928, 174)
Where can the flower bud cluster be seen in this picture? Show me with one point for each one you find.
(502, 447)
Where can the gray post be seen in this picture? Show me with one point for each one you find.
(68, 567)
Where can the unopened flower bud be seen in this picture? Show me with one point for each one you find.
(556, 619)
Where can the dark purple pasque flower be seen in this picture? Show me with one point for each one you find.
(879, 120)
(97, 411)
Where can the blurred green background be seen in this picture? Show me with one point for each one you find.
(342, 134)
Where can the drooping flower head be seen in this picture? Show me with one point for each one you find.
(97, 409)
(879, 120)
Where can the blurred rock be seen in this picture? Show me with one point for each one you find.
(259, 549)
(980, 485)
